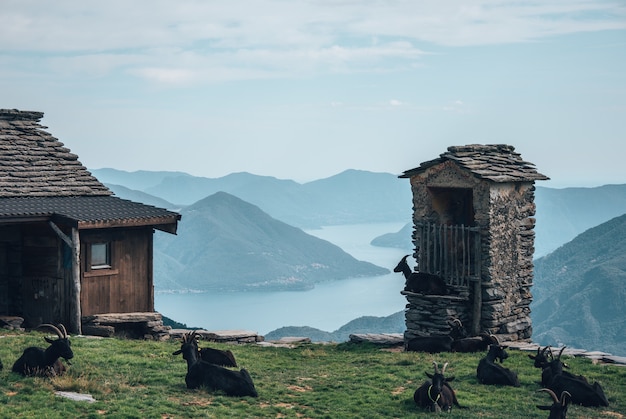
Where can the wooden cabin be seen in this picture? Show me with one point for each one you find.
(69, 249)
(473, 209)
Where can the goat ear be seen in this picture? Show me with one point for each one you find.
(178, 352)
(532, 356)
(450, 378)
(47, 339)
(429, 375)
(544, 407)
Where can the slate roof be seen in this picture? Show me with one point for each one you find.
(495, 162)
(40, 177)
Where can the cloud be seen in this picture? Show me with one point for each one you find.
(198, 42)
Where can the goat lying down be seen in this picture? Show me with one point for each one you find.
(212, 355)
(489, 372)
(45, 362)
(558, 409)
(214, 377)
(435, 394)
(580, 390)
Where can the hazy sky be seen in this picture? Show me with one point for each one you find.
(306, 89)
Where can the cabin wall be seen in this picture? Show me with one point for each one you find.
(127, 286)
(32, 280)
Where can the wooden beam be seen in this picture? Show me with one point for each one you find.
(61, 234)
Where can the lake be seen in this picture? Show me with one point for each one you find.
(327, 307)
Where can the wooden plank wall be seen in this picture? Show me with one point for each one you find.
(127, 286)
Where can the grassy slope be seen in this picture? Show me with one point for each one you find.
(141, 379)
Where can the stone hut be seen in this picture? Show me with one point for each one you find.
(473, 209)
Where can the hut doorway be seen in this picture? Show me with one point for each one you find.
(454, 206)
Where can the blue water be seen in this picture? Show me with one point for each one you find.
(327, 307)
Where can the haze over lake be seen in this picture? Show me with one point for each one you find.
(327, 307)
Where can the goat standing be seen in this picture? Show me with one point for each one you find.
(39, 361)
(436, 394)
(201, 373)
(421, 282)
(488, 372)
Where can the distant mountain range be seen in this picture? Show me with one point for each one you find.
(350, 197)
(224, 243)
(356, 197)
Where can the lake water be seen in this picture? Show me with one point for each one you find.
(327, 307)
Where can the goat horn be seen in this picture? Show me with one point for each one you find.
(495, 338)
(63, 330)
(551, 393)
(436, 367)
(455, 321)
(443, 370)
(53, 327)
(563, 394)
(561, 352)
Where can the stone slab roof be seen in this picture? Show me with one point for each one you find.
(34, 163)
(40, 178)
(494, 162)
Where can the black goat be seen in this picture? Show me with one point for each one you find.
(436, 394)
(488, 372)
(457, 331)
(421, 282)
(553, 367)
(558, 409)
(212, 355)
(474, 344)
(581, 391)
(432, 344)
(46, 362)
(201, 373)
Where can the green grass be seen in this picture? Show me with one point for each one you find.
(141, 379)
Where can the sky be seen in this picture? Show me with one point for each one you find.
(304, 90)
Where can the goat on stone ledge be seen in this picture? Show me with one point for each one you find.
(421, 282)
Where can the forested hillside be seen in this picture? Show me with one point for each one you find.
(580, 289)
(225, 243)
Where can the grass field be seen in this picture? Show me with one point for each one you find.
(142, 379)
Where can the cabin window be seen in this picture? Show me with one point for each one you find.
(100, 256)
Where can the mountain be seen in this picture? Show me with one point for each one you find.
(366, 324)
(139, 180)
(350, 197)
(224, 243)
(400, 239)
(579, 291)
(138, 196)
(562, 214)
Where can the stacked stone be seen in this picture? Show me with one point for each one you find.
(429, 315)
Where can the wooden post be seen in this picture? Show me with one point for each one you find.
(76, 325)
(74, 244)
